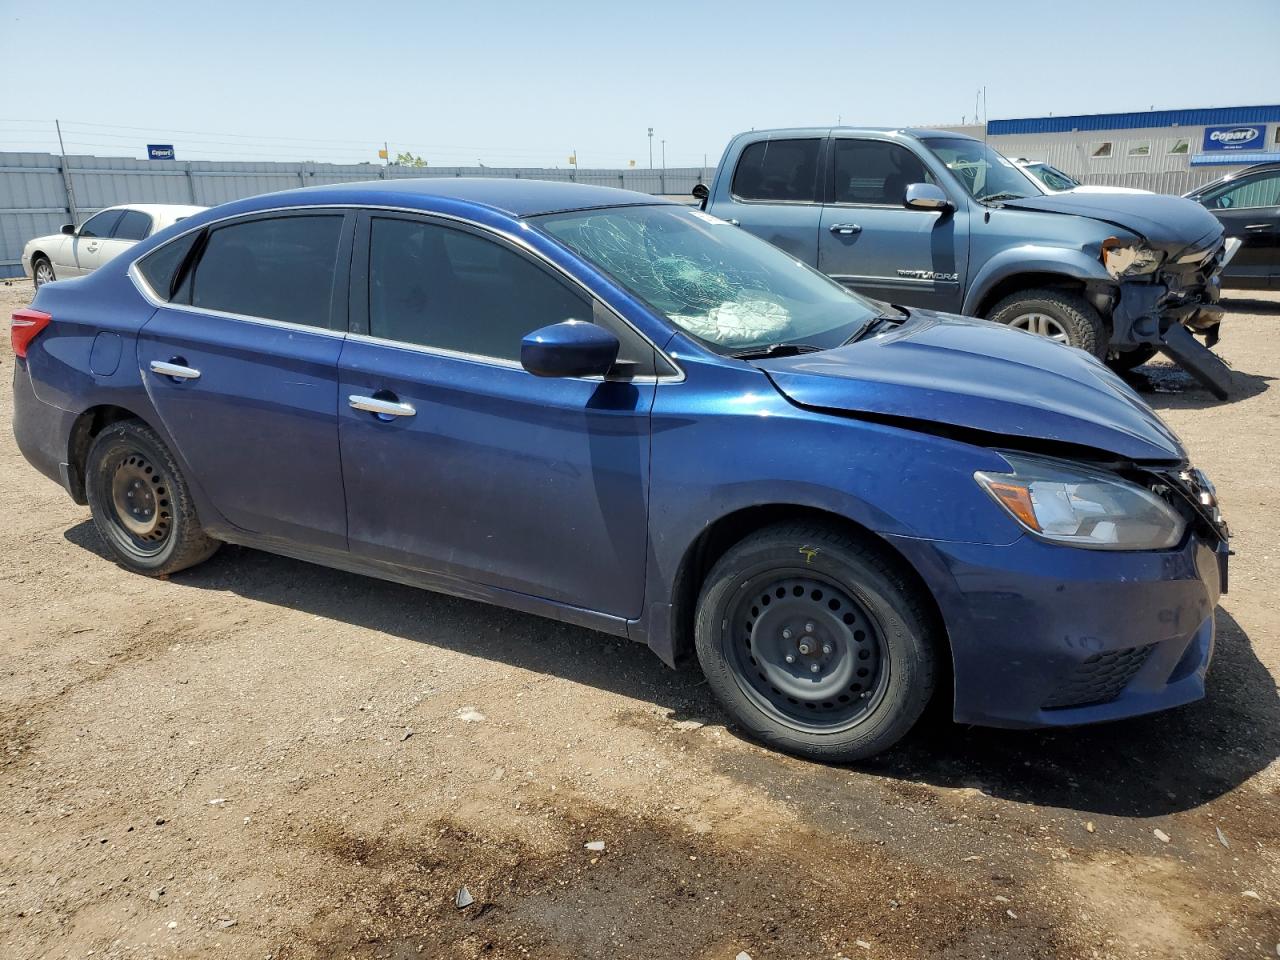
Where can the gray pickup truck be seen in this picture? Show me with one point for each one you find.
(938, 220)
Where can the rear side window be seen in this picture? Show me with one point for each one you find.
(133, 225)
(778, 170)
(281, 268)
(875, 172)
(160, 267)
(436, 286)
(101, 224)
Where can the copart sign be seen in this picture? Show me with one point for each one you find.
(1239, 137)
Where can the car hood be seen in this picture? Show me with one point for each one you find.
(1169, 223)
(954, 371)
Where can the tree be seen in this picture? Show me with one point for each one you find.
(407, 159)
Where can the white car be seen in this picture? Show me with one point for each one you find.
(108, 233)
(1052, 180)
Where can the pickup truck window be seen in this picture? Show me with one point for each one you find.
(781, 171)
(984, 173)
(718, 283)
(875, 172)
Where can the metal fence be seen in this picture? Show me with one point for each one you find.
(38, 193)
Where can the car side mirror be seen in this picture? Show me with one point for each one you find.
(925, 196)
(573, 348)
(69, 229)
(701, 194)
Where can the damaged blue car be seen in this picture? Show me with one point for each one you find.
(626, 414)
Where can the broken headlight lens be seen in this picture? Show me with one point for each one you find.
(1082, 506)
(1129, 259)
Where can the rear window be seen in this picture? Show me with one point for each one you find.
(134, 225)
(779, 170)
(282, 268)
(160, 267)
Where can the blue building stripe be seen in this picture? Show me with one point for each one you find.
(1232, 158)
(1210, 116)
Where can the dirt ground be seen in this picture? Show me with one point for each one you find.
(262, 758)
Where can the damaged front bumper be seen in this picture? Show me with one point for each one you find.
(1172, 307)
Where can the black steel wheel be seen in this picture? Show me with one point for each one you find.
(806, 649)
(817, 641)
(140, 502)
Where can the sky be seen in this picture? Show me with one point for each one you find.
(530, 83)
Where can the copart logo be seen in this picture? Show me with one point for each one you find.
(1236, 137)
(928, 275)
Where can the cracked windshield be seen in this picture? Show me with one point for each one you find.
(716, 282)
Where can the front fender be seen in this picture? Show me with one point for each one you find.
(1032, 258)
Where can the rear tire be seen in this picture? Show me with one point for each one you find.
(141, 504)
(41, 271)
(1061, 316)
(862, 648)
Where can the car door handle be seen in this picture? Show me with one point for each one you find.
(384, 408)
(845, 229)
(177, 371)
(1259, 227)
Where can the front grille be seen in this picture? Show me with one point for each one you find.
(1100, 678)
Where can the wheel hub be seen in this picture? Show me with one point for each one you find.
(1042, 325)
(807, 648)
(140, 500)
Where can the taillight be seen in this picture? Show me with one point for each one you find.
(25, 327)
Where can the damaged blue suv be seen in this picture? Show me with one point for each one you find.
(625, 414)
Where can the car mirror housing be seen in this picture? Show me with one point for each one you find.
(69, 229)
(573, 348)
(925, 196)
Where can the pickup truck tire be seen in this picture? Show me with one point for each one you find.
(816, 643)
(1061, 315)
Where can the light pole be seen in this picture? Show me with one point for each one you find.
(651, 148)
(664, 156)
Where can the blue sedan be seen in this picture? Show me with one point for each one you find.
(626, 414)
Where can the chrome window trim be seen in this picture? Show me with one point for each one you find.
(153, 298)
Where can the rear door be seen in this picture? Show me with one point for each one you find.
(774, 192)
(482, 472)
(241, 363)
(87, 246)
(873, 244)
(133, 225)
(1250, 211)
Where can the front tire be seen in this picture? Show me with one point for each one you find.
(41, 271)
(816, 643)
(1056, 314)
(141, 504)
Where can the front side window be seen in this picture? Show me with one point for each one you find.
(281, 268)
(875, 172)
(720, 284)
(983, 172)
(440, 287)
(784, 171)
(101, 224)
(1261, 191)
(133, 225)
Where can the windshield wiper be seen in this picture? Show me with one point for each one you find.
(775, 350)
(1001, 196)
(876, 322)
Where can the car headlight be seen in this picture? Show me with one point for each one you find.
(1081, 506)
(1123, 259)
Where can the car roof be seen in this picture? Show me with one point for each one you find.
(917, 132)
(517, 197)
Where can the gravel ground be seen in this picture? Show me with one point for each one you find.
(263, 758)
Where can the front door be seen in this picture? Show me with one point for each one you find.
(1250, 212)
(456, 460)
(242, 367)
(872, 243)
(88, 246)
